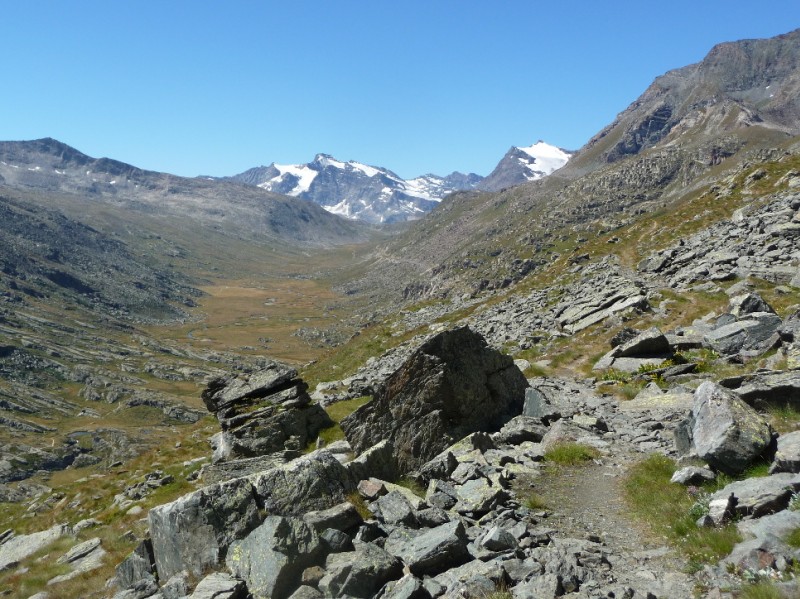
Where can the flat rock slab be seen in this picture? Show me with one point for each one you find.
(778, 388)
(752, 333)
(432, 551)
(777, 525)
(754, 497)
(18, 548)
(219, 585)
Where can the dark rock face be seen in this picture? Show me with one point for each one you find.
(453, 385)
(260, 412)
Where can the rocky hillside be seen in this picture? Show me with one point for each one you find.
(717, 125)
(358, 191)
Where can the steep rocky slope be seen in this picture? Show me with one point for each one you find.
(690, 128)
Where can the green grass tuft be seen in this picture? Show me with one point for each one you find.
(358, 502)
(570, 454)
(761, 590)
(793, 538)
(534, 501)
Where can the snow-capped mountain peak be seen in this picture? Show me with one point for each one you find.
(356, 190)
(522, 164)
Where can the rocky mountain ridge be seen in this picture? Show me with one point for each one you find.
(49, 166)
(377, 195)
(472, 241)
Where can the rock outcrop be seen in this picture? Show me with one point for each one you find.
(260, 413)
(452, 385)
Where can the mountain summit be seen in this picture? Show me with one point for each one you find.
(521, 165)
(358, 191)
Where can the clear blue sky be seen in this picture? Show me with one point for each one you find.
(197, 87)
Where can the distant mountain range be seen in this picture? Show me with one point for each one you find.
(378, 195)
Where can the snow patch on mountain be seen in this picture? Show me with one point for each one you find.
(541, 159)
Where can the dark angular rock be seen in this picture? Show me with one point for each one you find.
(748, 303)
(139, 565)
(431, 551)
(336, 541)
(342, 516)
(539, 406)
(393, 509)
(454, 384)
(259, 413)
(758, 332)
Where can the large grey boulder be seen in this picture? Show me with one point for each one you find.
(758, 332)
(272, 557)
(454, 384)
(727, 433)
(430, 551)
(19, 547)
(787, 456)
(314, 482)
(359, 573)
(193, 532)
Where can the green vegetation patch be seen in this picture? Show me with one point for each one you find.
(672, 510)
(570, 454)
(534, 501)
(338, 411)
